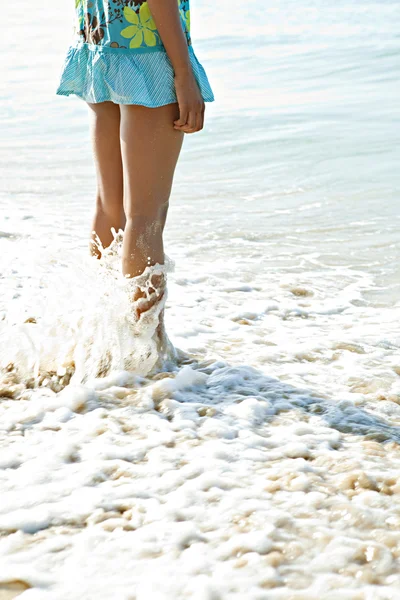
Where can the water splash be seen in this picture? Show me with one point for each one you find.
(85, 323)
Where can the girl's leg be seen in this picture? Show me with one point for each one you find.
(109, 211)
(150, 149)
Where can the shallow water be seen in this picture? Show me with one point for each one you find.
(263, 461)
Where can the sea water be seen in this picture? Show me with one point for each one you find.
(261, 461)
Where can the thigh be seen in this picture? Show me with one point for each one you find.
(105, 119)
(150, 149)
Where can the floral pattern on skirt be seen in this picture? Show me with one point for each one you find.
(123, 23)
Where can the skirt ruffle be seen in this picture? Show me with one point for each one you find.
(99, 74)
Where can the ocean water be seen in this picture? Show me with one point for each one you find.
(261, 461)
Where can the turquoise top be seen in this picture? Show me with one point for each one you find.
(123, 24)
(112, 59)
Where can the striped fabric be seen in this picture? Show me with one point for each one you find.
(97, 74)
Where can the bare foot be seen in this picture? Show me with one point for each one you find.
(146, 298)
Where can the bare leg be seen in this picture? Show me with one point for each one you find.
(109, 212)
(150, 148)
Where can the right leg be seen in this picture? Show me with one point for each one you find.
(150, 148)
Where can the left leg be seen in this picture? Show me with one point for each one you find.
(109, 211)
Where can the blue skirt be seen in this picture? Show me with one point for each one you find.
(100, 73)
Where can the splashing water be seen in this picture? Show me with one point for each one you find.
(86, 324)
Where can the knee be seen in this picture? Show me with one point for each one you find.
(112, 211)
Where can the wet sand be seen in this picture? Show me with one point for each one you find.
(8, 591)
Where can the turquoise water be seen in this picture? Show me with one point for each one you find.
(308, 122)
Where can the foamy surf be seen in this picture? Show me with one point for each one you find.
(268, 483)
(227, 482)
